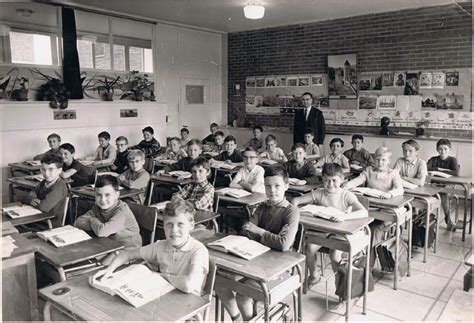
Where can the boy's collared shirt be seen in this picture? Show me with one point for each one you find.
(277, 155)
(252, 177)
(108, 154)
(306, 171)
(362, 156)
(177, 262)
(385, 181)
(311, 149)
(137, 180)
(334, 158)
(200, 194)
(341, 199)
(449, 163)
(415, 169)
(235, 157)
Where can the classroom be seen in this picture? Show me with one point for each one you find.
(236, 160)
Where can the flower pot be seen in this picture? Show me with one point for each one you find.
(138, 96)
(108, 96)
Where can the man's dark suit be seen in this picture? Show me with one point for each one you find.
(315, 121)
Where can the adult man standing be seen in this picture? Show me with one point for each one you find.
(309, 117)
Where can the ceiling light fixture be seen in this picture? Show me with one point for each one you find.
(254, 11)
(24, 12)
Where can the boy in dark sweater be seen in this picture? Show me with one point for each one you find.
(186, 163)
(121, 160)
(299, 168)
(54, 141)
(210, 138)
(79, 174)
(149, 145)
(230, 154)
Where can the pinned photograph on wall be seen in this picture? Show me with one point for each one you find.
(322, 101)
(412, 84)
(376, 82)
(367, 102)
(386, 102)
(281, 81)
(270, 82)
(250, 100)
(425, 80)
(316, 80)
(450, 101)
(439, 80)
(250, 82)
(292, 81)
(429, 102)
(399, 79)
(364, 82)
(342, 75)
(285, 100)
(387, 79)
(452, 78)
(303, 81)
(260, 82)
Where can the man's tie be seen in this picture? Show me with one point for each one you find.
(306, 114)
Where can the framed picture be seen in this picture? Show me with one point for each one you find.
(270, 82)
(425, 80)
(260, 82)
(364, 82)
(281, 81)
(429, 102)
(342, 76)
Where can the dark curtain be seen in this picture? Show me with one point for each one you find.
(71, 69)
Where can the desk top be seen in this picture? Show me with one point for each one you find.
(76, 252)
(90, 304)
(24, 166)
(451, 180)
(344, 227)
(25, 219)
(170, 179)
(23, 181)
(234, 170)
(8, 228)
(24, 246)
(393, 202)
(202, 216)
(426, 191)
(303, 188)
(252, 199)
(89, 192)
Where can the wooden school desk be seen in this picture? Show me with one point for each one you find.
(85, 303)
(19, 290)
(24, 168)
(246, 202)
(427, 197)
(391, 216)
(344, 229)
(24, 183)
(201, 217)
(168, 183)
(59, 262)
(8, 228)
(299, 190)
(466, 183)
(40, 217)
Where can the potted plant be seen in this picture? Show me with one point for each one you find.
(136, 86)
(21, 93)
(53, 91)
(106, 87)
(420, 127)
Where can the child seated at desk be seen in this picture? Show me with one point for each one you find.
(250, 177)
(136, 176)
(182, 260)
(121, 160)
(446, 164)
(200, 192)
(411, 168)
(358, 155)
(54, 141)
(149, 145)
(331, 194)
(185, 163)
(51, 193)
(299, 167)
(256, 141)
(105, 153)
(336, 155)
(218, 144)
(110, 217)
(311, 148)
(184, 137)
(272, 151)
(274, 224)
(174, 150)
(79, 174)
(230, 154)
(210, 138)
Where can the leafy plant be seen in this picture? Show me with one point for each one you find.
(53, 91)
(107, 85)
(135, 86)
(20, 93)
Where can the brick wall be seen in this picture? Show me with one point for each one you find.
(436, 37)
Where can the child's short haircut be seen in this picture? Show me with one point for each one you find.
(185, 130)
(49, 159)
(175, 139)
(359, 137)
(218, 133)
(122, 138)
(258, 127)
(105, 180)
(307, 93)
(214, 125)
(276, 170)
(105, 135)
(250, 148)
(54, 135)
(194, 142)
(383, 151)
(334, 140)
(444, 142)
(298, 145)
(412, 143)
(230, 138)
(136, 153)
(270, 138)
(178, 206)
(201, 162)
(309, 131)
(148, 129)
(332, 169)
(68, 147)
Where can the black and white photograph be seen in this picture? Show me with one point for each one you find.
(342, 74)
(292, 81)
(412, 84)
(270, 82)
(387, 79)
(399, 79)
(429, 101)
(386, 102)
(316, 80)
(439, 80)
(367, 102)
(250, 82)
(303, 81)
(260, 82)
(452, 78)
(281, 81)
(426, 80)
(364, 82)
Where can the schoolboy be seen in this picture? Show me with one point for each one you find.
(149, 145)
(174, 150)
(79, 174)
(358, 155)
(181, 260)
(411, 168)
(272, 151)
(446, 164)
(331, 194)
(184, 137)
(256, 142)
(250, 177)
(185, 163)
(105, 153)
(200, 192)
(50, 194)
(218, 145)
(273, 224)
(110, 217)
(336, 155)
(121, 160)
(299, 167)
(230, 154)
(210, 138)
(312, 149)
(54, 141)
(136, 176)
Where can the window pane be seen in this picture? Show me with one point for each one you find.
(30, 48)
(84, 48)
(141, 59)
(148, 60)
(102, 56)
(119, 58)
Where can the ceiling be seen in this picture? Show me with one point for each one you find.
(227, 15)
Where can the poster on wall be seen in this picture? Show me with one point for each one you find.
(399, 79)
(316, 80)
(439, 80)
(429, 102)
(387, 79)
(412, 84)
(386, 102)
(425, 80)
(452, 78)
(250, 82)
(367, 102)
(342, 75)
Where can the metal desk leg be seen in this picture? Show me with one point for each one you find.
(47, 311)
(438, 219)
(349, 285)
(300, 294)
(428, 212)
(367, 272)
(266, 301)
(466, 206)
(216, 316)
(397, 252)
(410, 229)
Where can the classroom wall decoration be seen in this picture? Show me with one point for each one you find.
(412, 84)
(342, 74)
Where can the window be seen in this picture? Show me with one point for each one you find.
(32, 48)
(102, 56)
(84, 49)
(141, 59)
(119, 58)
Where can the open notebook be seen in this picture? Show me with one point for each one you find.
(240, 246)
(439, 174)
(233, 192)
(325, 212)
(33, 162)
(367, 191)
(178, 173)
(267, 161)
(136, 284)
(222, 165)
(20, 210)
(64, 236)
